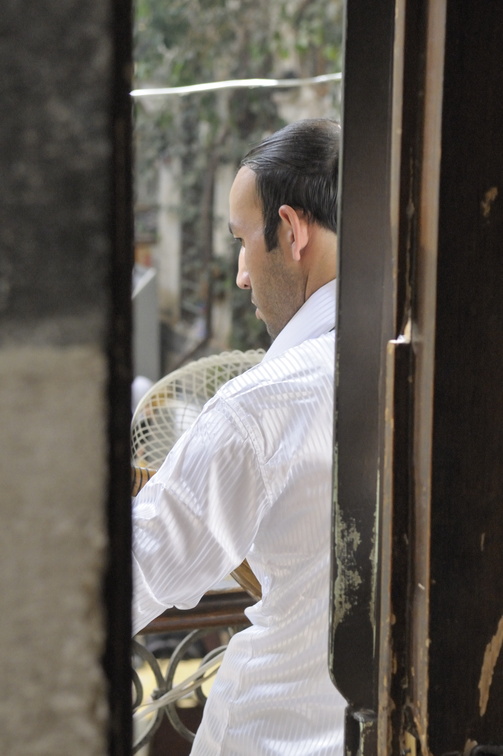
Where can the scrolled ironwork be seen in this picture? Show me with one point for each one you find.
(148, 658)
(165, 684)
(176, 658)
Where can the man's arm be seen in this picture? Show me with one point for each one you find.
(195, 521)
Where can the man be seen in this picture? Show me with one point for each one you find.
(253, 476)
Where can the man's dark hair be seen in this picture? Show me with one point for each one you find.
(298, 166)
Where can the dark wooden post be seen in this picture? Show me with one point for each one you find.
(418, 569)
(365, 324)
(465, 634)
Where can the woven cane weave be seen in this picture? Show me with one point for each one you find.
(174, 402)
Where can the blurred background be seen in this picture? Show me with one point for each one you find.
(188, 147)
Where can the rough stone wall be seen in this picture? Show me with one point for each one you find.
(51, 550)
(56, 249)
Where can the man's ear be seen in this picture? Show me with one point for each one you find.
(296, 228)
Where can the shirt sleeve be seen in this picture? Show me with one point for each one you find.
(195, 520)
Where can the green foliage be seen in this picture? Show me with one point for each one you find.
(183, 42)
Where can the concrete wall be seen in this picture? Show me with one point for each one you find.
(60, 354)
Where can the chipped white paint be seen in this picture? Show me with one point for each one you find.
(488, 201)
(348, 579)
(469, 746)
(492, 652)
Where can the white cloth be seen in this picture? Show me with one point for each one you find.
(252, 478)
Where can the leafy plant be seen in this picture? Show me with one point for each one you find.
(183, 42)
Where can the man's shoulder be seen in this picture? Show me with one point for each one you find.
(313, 361)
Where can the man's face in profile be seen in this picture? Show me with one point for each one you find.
(270, 275)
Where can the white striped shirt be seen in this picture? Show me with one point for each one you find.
(253, 478)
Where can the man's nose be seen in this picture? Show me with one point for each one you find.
(242, 278)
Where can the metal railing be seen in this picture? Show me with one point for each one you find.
(217, 612)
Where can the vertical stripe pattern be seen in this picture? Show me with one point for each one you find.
(252, 478)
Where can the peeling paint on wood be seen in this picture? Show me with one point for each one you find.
(488, 200)
(492, 652)
(348, 578)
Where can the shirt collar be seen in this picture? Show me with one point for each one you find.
(315, 317)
